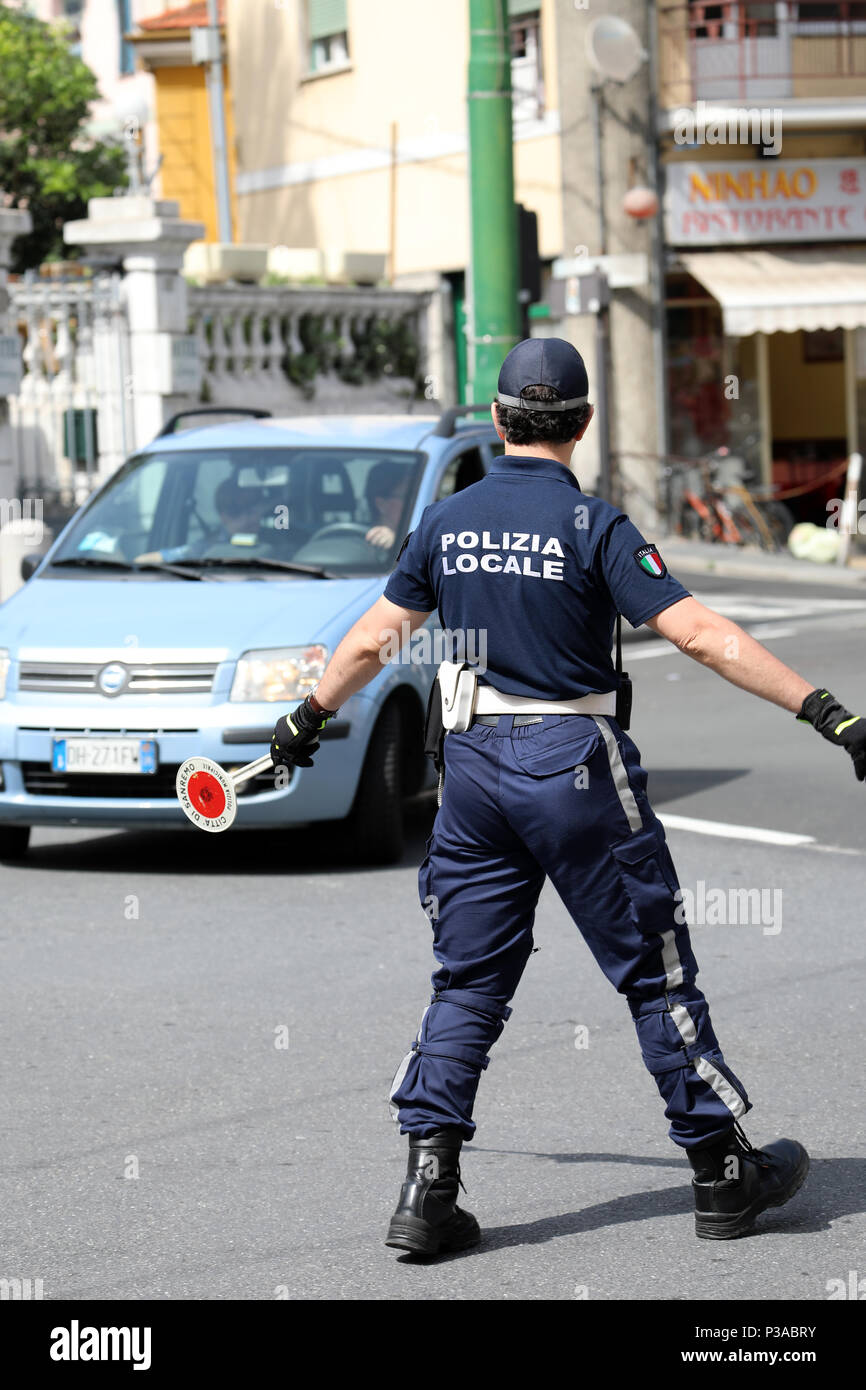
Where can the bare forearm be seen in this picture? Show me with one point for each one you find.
(354, 664)
(725, 648)
(374, 641)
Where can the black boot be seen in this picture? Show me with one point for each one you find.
(428, 1220)
(733, 1182)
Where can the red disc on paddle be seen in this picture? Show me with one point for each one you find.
(206, 794)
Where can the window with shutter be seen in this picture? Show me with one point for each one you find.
(527, 87)
(127, 52)
(328, 26)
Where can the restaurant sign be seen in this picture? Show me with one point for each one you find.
(728, 203)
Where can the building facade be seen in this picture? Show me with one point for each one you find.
(744, 327)
(762, 126)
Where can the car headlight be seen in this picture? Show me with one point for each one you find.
(280, 673)
(5, 662)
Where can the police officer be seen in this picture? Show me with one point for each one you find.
(545, 782)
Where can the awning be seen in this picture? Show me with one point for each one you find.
(781, 291)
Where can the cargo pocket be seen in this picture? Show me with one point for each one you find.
(647, 873)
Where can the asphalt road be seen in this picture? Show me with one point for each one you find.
(199, 1034)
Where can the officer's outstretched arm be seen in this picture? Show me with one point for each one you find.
(725, 648)
(376, 638)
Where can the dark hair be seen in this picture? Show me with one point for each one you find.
(231, 499)
(383, 478)
(228, 497)
(541, 426)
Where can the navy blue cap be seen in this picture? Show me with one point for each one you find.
(543, 362)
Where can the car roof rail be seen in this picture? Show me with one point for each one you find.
(170, 426)
(447, 421)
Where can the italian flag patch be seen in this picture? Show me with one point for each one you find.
(649, 560)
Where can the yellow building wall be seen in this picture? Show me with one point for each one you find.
(187, 171)
(807, 398)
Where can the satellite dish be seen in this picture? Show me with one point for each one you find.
(613, 48)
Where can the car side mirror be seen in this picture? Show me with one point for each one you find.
(29, 563)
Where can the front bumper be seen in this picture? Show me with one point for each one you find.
(231, 734)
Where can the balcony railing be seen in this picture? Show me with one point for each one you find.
(761, 51)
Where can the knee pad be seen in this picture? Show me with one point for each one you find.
(461, 1025)
(458, 1025)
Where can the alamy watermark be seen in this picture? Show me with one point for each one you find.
(846, 516)
(22, 1290)
(730, 907)
(853, 1288)
(29, 512)
(423, 646)
(738, 125)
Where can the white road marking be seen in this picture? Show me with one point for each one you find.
(734, 832)
(762, 633)
(749, 832)
(646, 650)
(743, 606)
(751, 611)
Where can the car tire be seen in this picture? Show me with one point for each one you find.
(374, 826)
(14, 840)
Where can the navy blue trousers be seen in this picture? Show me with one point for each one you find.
(564, 798)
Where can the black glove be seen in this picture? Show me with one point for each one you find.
(834, 722)
(296, 736)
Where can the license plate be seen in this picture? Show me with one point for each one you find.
(104, 755)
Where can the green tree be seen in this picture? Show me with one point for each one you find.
(48, 163)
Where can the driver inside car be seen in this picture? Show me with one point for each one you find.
(240, 512)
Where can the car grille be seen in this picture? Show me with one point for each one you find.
(39, 780)
(79, 678)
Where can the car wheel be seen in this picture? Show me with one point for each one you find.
(374, 826)
(14, 840)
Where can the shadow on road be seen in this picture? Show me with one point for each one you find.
(287, 851)
(670, 783)
(189, 851)
(835, 1188)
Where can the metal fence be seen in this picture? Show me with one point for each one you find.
(71, 419)
(755, 51)
(293, 350)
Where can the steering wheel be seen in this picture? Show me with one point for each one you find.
(335, 528)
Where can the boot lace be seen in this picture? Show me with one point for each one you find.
(757, 1154)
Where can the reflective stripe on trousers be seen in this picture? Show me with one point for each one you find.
(564, 798)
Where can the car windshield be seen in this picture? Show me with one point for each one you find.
(338, 510)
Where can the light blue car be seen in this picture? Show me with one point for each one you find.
(196, 596)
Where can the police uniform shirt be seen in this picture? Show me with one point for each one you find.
(528, 572)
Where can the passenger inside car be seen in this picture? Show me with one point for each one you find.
(385, 493)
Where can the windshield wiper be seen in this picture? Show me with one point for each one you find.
(168, 569)
(93, 560)
(262, 562)
(102, 563)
